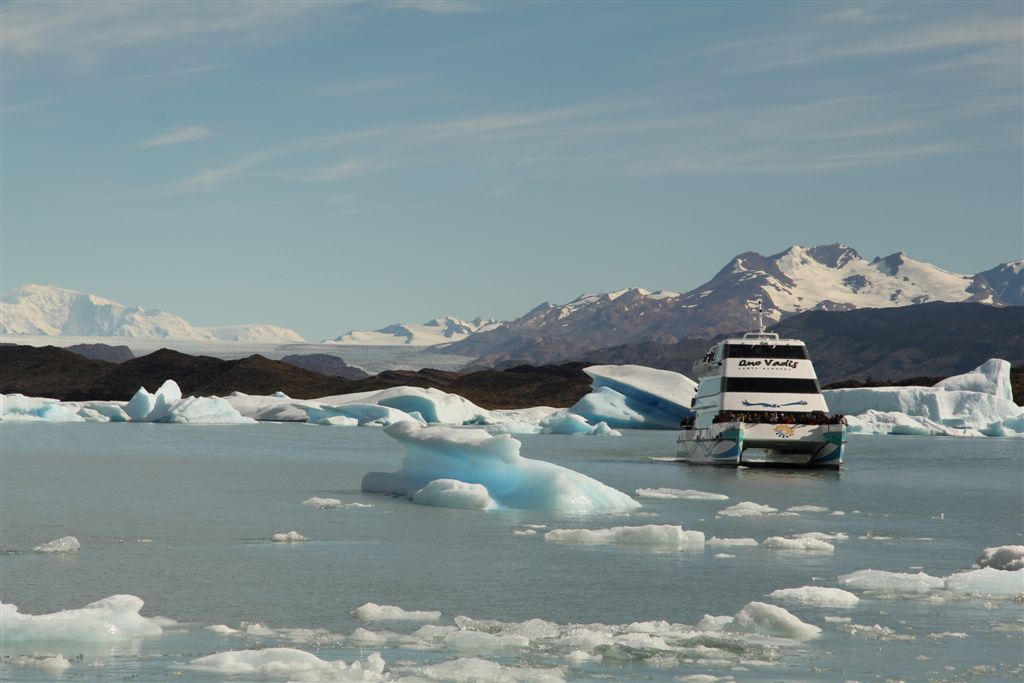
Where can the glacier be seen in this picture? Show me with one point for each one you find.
(976, 403)
(473, 456)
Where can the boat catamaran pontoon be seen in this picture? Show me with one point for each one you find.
(759, 403)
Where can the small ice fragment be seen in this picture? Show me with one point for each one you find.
(682, 494)
(650, 534)
(728, 542)
(817, 596)
(55, 666)
(317, 502)
(724, 556)
(114, 618)
(760, 617)
(287, 663)
(524, 532)
(289, 537)
(878, 580)
(453, 493)
(805, 543)
(65, 544)
(807, 508)
(223, 630)
(987, 581)
(374, 612)
(747, 509)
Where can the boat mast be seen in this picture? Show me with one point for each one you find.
(754, 306)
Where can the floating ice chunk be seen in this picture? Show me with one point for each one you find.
(635, 396)
(818, 596)
(805, 543)
(728, 542)
(140, 405)
(374, 612)
(289, 537)
(723, 556)
(564, 422)
(165, 397)
(223, 630)
(65, 544)
(110, 619)
(317, 502)
(807, 508)
(1005, 557)
(747, 509)
(452, 493)
(289, 663)
(577, 657)
(207, 410)
(760, 617)
(434, 405)
(475, 457)
(972, 404)
(896, 582)
(338, 421)
(991, 377)
(30, 409)
(987, 581)
(822, 536)
(524, 532)
(366, 414)
(473, 669)
(682, 494)
(650, 534)
(55, 666)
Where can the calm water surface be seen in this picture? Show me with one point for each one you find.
(180, 516)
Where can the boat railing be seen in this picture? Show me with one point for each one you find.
(779, 417)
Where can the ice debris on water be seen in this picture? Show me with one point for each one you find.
(804, 543)
(1005, 557)
(328, 503)
(564, 422)
(54, 666)
(762, 618)
(729, 542)
(373, 612)
(817, 596)
(287, 663)
(650, 534)
(473, 456)
(747, 509)
(288, 537)
(895, 582)
(680, 494)
(115, 618)
(987, 581)
(65, 544)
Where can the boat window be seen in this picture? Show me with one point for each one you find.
(764, 351)
(710, 387)
(772, 385)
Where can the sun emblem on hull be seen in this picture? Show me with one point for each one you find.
(785, 431)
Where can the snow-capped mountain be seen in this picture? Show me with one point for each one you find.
(442, 330)
(52, 311)
(829, 277)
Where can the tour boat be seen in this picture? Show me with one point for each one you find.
(758, 403)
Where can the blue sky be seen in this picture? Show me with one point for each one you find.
(329, 166)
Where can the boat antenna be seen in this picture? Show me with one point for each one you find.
(755, 307)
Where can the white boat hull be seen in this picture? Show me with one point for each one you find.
(780, 445)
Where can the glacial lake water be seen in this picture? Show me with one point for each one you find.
(181, 516)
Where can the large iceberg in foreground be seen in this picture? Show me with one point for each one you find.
(636, 397)
(110, 619)
(473, 456)
(973, 404)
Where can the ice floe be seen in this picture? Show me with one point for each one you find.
(651, 534)
(55, 665)
(977, 403)
(891, 582)
(330, 503)
(475, 457)
(285, 663)
(636, 397)
(115, 618)
(373, 612)
(288, 537)
(681, 494)
(817, 596)
(1005, 557)
(762, 618)
(748, 509)
(804, 543)
(731, 542)
(64, 544)
(987, 581)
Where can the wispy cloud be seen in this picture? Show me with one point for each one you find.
(437, 6)
(177, 137)
(359, 87)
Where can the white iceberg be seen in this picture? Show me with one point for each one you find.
(475, 457)
(207, 410)
(651, 534)
(1005, 557)
(681, 494)
(892, 582)
(747, 509)
(762, 618)
(371, 611)
(636, 397)
(285, 663)
(365, 414)
(975, 403)
(564, 422)
(65, 544)
(987, 581)
(817, 596)
(115, 618)
(452, 493)
(17, 407)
